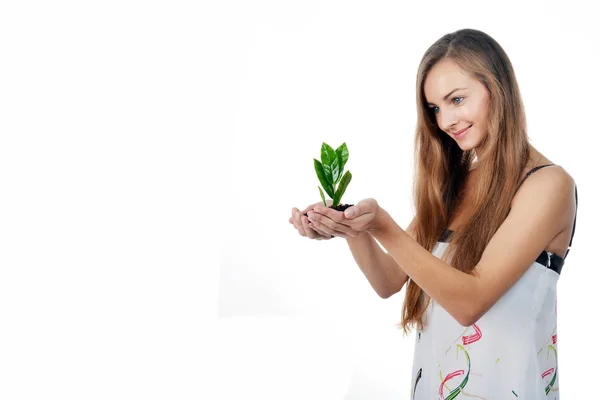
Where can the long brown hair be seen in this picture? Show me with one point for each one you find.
(441, 166)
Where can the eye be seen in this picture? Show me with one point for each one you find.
(456, 100)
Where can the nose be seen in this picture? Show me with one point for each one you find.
(448, 119)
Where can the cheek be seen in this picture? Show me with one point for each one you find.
(482, 109)
(476, 112)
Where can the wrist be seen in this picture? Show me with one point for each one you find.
(380, 221)
(361, 235)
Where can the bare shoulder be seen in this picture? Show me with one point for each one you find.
(552, 183)
(540, 213)
(553, 177)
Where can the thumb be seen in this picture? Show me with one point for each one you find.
(352, 212)
(365, 206)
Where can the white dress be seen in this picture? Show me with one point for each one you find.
(509, 353)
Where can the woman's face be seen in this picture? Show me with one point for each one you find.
(457, 102)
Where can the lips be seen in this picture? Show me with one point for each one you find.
(462, 131)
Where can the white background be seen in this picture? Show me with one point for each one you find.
(150, 155)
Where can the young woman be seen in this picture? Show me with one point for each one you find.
(493, 225)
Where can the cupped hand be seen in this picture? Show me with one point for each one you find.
(352, 222)
(304, 226)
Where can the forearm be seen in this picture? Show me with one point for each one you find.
(449, 287)
(381, 270)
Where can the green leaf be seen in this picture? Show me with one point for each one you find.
(331, 166)
(322, 196)
(321, 175)
(342, 188)
(341, 170)
(343, 154)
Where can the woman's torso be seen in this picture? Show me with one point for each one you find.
(510, 352)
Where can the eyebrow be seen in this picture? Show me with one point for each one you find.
(446, 96)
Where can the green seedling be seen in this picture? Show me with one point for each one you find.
(330, 173)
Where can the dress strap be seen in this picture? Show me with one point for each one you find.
(531, 172)
(574, 222)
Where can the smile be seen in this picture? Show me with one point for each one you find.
(462, 133)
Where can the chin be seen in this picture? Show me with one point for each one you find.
(468, 143)
(466, 146)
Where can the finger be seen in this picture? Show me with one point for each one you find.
(309, 207)
(330, 213)
(301, 231)
(352, 212)
(296, 213)
(318, 235)
(298, 224)
(327, 225)
(366, 206)
(309, 232)
(329, 230)
(306, 210)
(317, 204)
(297, 220)
(320, 232)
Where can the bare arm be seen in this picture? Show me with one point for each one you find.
(383, 273)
